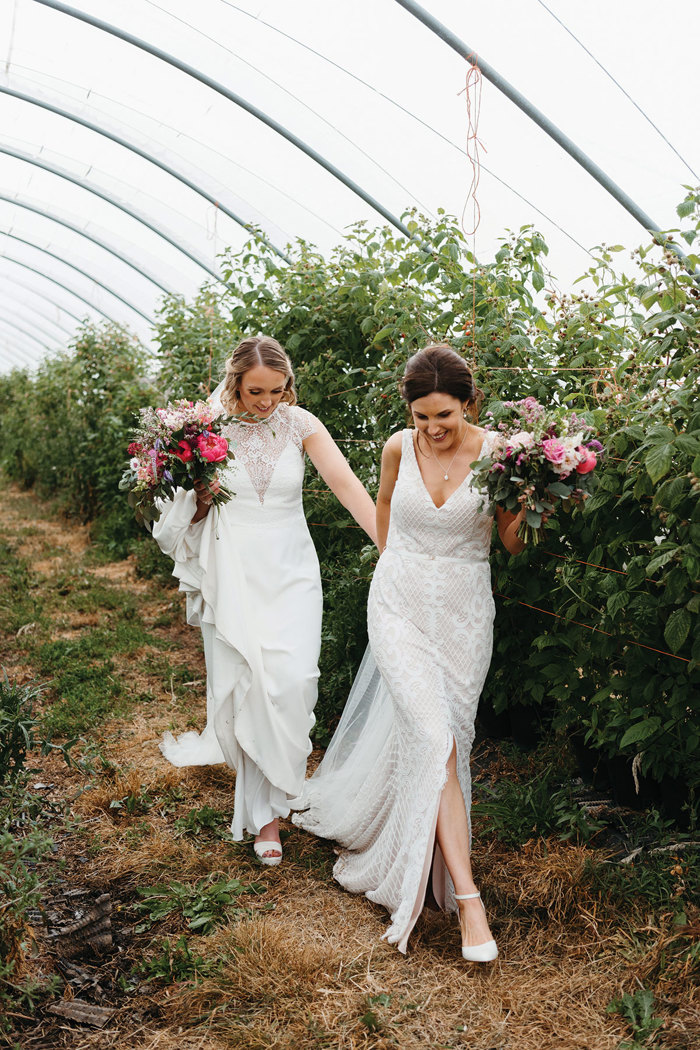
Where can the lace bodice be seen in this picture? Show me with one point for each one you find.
(259, 446)
(457, 529)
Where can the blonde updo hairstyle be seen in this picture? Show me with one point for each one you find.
(256, 350)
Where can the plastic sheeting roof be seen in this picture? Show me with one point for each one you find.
(92, 228)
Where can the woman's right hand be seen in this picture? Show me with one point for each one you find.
(205, 496)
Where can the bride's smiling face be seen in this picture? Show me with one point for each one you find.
(260, 390)
(440, 417)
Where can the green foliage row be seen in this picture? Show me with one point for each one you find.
(596, 627)
(64, 429)
(22, 843)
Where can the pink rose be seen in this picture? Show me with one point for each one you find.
(522, 440)
(588, 462)
(212, 447)
(554, 450)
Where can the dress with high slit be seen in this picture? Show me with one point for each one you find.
(430, 623)
(252, 580)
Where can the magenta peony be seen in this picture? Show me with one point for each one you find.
(212, 447)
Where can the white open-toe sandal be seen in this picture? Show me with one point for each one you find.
(485, 952)
(262, 847)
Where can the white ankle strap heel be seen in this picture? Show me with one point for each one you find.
(485, 952)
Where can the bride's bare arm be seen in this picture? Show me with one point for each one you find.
(507, 524)
(391, 460)
(337, 474)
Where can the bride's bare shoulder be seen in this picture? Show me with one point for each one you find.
(392, 448)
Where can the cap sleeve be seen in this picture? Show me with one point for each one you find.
(306, 423)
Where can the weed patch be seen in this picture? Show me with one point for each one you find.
(20, 603)
(177, 962)
(638, 1011)
(205, 820)
(205, 905)
(658, 880)
(517, 811)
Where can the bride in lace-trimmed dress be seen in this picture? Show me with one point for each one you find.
(252, 581)
(394, 788)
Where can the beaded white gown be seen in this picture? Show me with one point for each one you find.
(252, 580)
(430, 621)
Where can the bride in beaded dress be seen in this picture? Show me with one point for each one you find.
(252, 581)
(394, 788)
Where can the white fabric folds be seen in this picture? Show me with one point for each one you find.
(252, 581)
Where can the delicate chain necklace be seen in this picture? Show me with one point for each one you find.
(447, 469)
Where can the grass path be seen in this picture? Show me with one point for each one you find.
(282, 957)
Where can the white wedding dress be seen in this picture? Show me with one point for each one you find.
(252, 580)
(430, 621)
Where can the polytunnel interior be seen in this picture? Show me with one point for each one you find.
(140, 140)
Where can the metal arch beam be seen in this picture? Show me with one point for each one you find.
(33, 269)
(39, 328)
(238, 100)
(87, 236)
(247, 226)
(77, 269)
(12, 357)
(20, 310)
(28, 159)
(536, 115)
(10, 294)
(41, 295)
(7, 352)
(29, 335)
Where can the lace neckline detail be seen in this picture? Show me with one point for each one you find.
(259, 445)
(259, 422)
(465, 480)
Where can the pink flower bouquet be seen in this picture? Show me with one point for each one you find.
(173, 447)
(540, 455)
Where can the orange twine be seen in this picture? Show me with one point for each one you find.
(588, 627)
(472, 94)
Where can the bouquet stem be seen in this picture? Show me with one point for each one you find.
(528, 535)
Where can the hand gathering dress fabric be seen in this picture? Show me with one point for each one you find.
(430, 623)
(252, 580)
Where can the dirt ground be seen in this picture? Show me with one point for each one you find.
(282, 957)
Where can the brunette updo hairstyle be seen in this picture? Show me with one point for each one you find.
(256, 350)
(440, 369)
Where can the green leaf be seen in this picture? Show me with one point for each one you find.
(658, 461)
(617, 602)
(641, 731)
(660, 560)
(558, 488)
(602, 694)
(677, 629)
(685, 208)
(688, 443)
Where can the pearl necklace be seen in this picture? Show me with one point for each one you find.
(447, 469)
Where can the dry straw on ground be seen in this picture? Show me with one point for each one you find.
(303, 966)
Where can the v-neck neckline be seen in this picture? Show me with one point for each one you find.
(425, 487)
